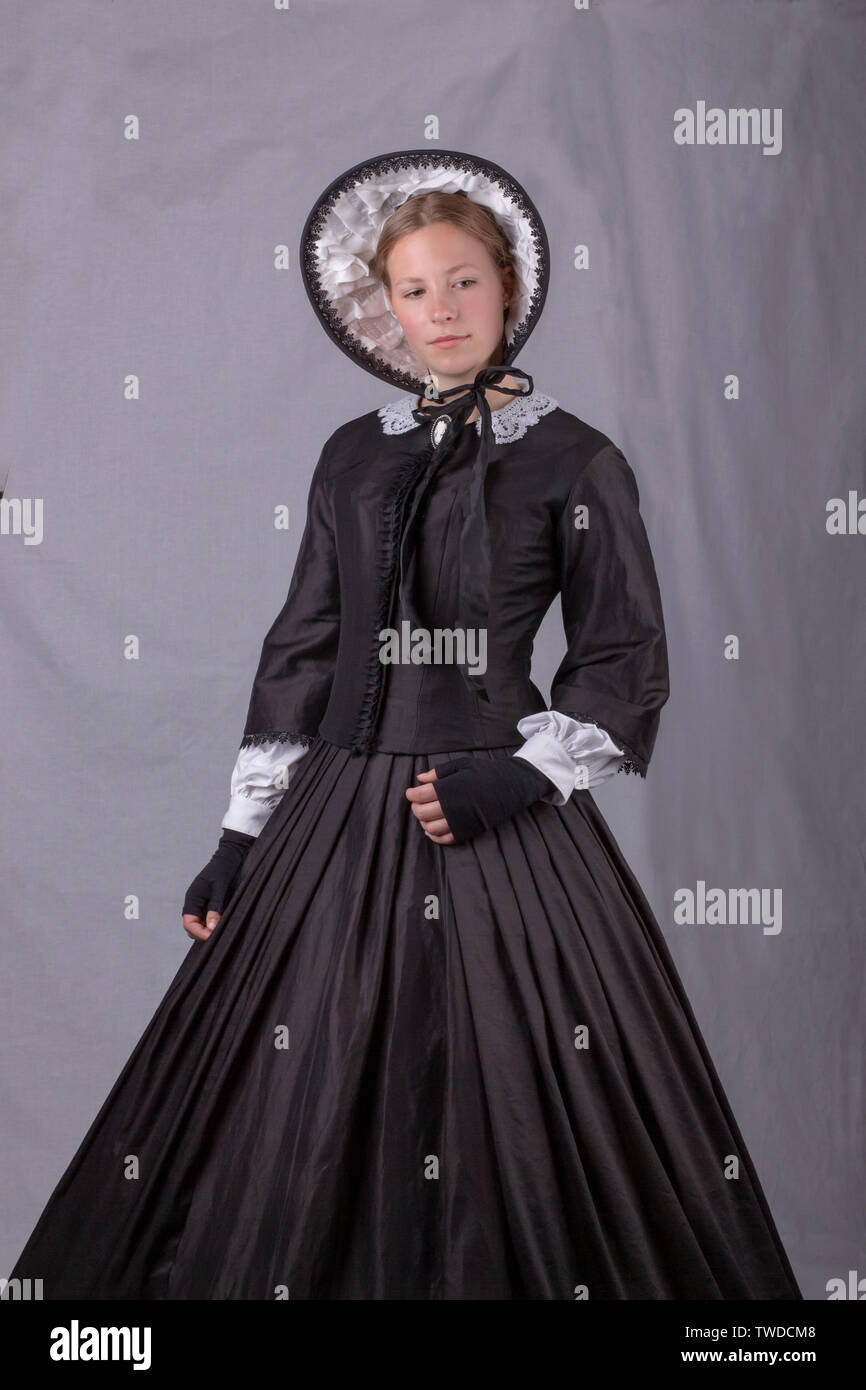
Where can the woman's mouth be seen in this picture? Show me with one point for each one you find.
(449, 342)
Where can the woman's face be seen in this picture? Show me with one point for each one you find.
(445, 286)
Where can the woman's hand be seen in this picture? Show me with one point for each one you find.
(207, 894)
(425, 805)
(478, 794)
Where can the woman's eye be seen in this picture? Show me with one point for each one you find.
(410, 294)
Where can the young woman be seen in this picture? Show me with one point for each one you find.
(429, 1042)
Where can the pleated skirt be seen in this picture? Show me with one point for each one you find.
(401, 1070)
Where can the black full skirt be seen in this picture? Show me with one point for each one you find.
(398, 1070)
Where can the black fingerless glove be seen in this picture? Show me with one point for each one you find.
(210, 889)
(476, 793)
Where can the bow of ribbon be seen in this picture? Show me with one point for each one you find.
(474, 553)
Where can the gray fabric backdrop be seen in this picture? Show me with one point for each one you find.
(155, 256)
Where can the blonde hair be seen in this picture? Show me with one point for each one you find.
(421, 209)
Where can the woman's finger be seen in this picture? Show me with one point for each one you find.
(432, 819)
(421, 794)
(440, 839)
(437, 827)
(430, 811)
(194, 926)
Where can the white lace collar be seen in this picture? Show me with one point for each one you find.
(509, 423)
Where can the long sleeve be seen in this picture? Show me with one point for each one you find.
(259, 779)
(569, 752)
(295, 673)
(615, 669)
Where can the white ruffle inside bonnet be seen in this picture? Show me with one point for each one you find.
(346, 247)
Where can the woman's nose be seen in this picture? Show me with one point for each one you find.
(442, 306)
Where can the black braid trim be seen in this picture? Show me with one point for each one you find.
(405, 477)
